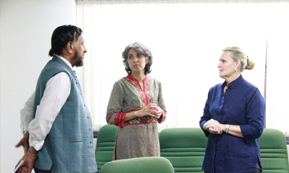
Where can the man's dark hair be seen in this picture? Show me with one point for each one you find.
(61, 36)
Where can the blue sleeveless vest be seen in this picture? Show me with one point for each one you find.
(68, 147)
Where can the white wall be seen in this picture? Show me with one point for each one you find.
(25, 32)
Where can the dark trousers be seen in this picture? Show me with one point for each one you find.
(258, 171)
(41, 171)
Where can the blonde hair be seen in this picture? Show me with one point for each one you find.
(239, 54)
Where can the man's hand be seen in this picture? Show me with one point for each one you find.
(29, 160)
(24, 142)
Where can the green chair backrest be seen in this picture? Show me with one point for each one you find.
(273, 148)
(105, 144)
(139, 165)
(184, 147)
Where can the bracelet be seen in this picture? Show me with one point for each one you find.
(227, 126)
(32, 155)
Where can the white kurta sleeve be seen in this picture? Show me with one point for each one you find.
(55, 95)
(26, 113)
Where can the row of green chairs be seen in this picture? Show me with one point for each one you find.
(274, 156)
(184, 148)
(105, 145)
(104, 153)
(139, 165)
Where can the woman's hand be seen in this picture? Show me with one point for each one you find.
(150, 110)
(214, 127)
(157, 111)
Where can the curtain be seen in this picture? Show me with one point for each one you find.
(186, 40)
(277, 70)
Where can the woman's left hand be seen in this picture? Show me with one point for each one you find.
(213, 126)
(156, 111)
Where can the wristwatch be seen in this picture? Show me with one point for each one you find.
(227, 126)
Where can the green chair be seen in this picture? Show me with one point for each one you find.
(184, 148)
(273, 148)
(139, 165)
(105, 144)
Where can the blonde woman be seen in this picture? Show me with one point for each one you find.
(233, 118)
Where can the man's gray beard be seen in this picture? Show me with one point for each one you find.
(78, 63)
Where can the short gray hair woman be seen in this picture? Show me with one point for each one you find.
(141, 49)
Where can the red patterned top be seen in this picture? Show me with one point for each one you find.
(136, 137)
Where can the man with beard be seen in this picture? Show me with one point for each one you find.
(55, 119)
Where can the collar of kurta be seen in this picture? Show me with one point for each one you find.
(234, 83)
(133, 79)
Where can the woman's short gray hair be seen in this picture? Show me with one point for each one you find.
(141, 49)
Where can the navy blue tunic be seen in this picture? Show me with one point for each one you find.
(242, 104)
